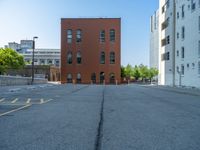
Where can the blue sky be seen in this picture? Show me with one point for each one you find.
(23, 19)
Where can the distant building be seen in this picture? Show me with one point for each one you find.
(90, 50)
(154, 40)
(179, 43)
(43, 56)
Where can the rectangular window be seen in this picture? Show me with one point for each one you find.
(78, 36)
(183, 11)
(165, 41)
(193, 5)
(165, 24)
(183, 32)
(182, 69)
(177, 15)
(177, 53)
(199, 49)
(199, 67)
(199, 23)
(177, 35)
(182, 52)
(102, 36)
(69, 36)
(165, 56)
(112, 35)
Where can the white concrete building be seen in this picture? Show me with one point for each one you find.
(187, 58)
(43, 56)
(179, 42)
(154, 40)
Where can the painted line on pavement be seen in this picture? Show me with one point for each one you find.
(14, 110)
(15, 100)
(41, 101)
(28, 101)
(46, 101)
(1, 100)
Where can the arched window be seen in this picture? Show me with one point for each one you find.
(93, 78)
(69, 36)
(102, 77)
(78, 35)
(69, 58)
(102, 36)
(78, 78)
(112, 78)
(112, 35)
(78, 58)
(112, 57)
(69, 78)
(102, 58)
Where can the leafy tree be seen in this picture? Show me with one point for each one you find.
(136, 73)
(144, 72)
(123, 72)
(152, 73)
(129, 71)
(10, 59)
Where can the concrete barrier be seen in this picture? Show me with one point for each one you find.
(15, 80)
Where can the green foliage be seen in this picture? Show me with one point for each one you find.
(138, 72)
(10, 59)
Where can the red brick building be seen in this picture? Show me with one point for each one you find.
(90, 50)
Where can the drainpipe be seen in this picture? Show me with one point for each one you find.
(174, 42)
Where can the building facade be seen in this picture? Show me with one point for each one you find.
(179, 42)
(43, 56)
(154, 40)
(91, 50)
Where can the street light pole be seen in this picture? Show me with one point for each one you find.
(33, 59)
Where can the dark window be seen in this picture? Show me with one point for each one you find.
(193, 4)
(102, 36)
(102, 77)
(112, 57)
(112, 78)
(78, 36)
(177, 53)
(183, 32)
(69, 58)
(183, 11)
(112, 35)
(102, 58)
(69, 36)
(93, 78)
(165, 56)
(182, 52)
(78, 78)
(69, 78)
(182, 69)
(199, 67)
(78, 57)
(177, 15)
(165, 24)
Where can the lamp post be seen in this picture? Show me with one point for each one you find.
(35, 37)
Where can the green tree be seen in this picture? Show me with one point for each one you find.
(123, 72)
(136, 73)
(10, 59)
(129, 71)
(152, 73)
(144, 72)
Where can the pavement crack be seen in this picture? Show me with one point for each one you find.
(99, 136)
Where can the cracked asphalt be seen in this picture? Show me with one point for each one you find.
(98, 117)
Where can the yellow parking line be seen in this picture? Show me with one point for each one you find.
(14, 110)
(15, 100)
